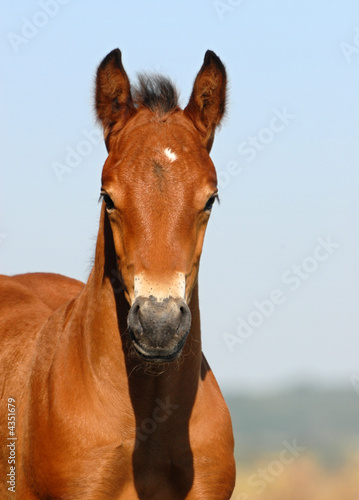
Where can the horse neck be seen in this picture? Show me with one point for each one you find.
(110, 355)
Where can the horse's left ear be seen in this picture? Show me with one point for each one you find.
(207, 102)
(113, 100)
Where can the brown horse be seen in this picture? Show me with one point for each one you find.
(105, 391)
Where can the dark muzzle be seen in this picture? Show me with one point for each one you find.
(159, 328)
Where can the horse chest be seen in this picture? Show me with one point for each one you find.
(119, 473)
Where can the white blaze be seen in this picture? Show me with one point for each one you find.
(170, 155)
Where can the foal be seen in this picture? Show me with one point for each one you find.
(111, 394)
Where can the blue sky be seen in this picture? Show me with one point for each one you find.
(279, 272)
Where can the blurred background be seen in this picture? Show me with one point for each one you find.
(279, 271)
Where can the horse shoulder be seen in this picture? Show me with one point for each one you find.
(212, 442)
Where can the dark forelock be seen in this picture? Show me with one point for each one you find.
(155, 92)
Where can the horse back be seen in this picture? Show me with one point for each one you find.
(53, 289)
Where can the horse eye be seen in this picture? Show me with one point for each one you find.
(108, 202)
(209, 203)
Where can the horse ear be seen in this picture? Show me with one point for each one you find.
(207, 102)
(113, 100)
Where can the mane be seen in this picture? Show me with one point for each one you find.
(155, 92)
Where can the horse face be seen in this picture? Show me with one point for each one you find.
(158, 193)
(158, 187)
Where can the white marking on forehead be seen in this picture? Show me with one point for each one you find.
(175, 287)
(170, 154)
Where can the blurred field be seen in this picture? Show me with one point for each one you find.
(302, 444)
(304, 479)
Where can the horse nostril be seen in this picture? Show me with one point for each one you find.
(185, 319)
(134, 318)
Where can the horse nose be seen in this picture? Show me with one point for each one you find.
(159, 328)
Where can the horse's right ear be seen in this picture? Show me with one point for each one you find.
(113, 100)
